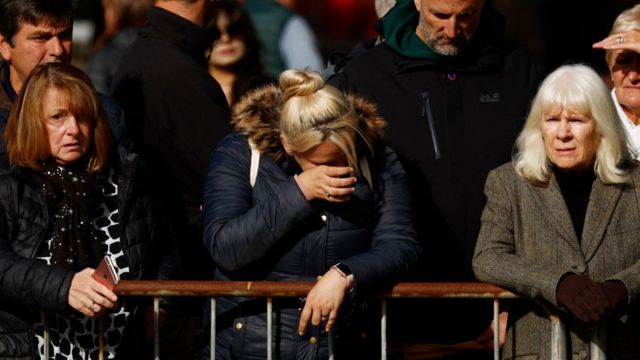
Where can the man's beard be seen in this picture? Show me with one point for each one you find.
(443, 46)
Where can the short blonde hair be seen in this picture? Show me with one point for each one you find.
(314, 112)
(627, 20)
(577, 88)
(26, 134)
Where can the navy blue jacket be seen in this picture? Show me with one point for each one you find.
(271, 232)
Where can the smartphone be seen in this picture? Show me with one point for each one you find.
(106, 274)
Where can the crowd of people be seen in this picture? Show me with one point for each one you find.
(201, 147)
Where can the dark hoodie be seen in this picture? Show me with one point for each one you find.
(451, 119)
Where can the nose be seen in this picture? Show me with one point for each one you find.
(564, 130)
(451, 27)
(224, 37)
(633, 74)
(72, 126)
(55, 47)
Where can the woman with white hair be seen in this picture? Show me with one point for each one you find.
(561, 222)
(623, 59)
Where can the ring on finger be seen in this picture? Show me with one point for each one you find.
(327, 194)
(619, 39)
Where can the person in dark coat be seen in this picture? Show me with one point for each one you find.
(176, 113)
(68, 201)
(328, 201)
(455, 95)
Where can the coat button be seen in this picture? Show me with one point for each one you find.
(324, 217)
(238, 325)
(313, 340)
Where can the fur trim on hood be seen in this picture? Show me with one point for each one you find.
(257, 115)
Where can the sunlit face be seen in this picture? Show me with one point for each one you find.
(327, 153)
(69, 136)
(625, 73)
(571, 140)
(446, 26)
(229, 48)
(33, 45)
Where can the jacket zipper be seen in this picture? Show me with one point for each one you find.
(428, 115)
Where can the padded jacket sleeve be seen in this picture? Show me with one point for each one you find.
(24, 281)
(237, 232)
(394, 248)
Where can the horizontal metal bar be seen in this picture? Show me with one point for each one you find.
(301, 289)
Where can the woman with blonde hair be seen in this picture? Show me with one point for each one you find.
(327, 201)
(561, 223)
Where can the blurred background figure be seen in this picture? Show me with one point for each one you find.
(623, 59)
(234, 57)
(122, 21)
(287, 38)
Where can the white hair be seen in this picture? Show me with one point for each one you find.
(577, 88)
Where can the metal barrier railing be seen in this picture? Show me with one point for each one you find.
(279, 289)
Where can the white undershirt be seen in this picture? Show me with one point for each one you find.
(631, 130)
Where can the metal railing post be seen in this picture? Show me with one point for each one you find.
(496, 329)
(383, 330)
(156, 328)
(558, 339)
(212, 330)
(598, 345)
(269, 328)
(330, 339)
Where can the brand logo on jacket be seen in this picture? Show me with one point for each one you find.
(490, 98)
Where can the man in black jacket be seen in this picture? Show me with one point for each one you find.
(455, 96)
(34, 32)
(176, 113)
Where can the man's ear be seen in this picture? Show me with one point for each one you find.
(5, 47)
(418, 4)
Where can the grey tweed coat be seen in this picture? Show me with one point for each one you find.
(527, 242)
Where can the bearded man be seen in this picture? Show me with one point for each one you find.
(455, 96)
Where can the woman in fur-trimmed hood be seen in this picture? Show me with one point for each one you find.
(329, 202)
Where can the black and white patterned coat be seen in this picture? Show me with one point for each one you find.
(29, 286)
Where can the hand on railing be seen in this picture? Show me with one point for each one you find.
(88, 296)
(323, 301)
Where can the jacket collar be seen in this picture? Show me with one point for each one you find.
(602, 203)
(7, 94)
(165, 25)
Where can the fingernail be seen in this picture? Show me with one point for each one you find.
(300, 333)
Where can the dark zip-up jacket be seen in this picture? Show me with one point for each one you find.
(451, 120)
(176, 113)
(29, 286)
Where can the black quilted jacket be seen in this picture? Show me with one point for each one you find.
(28, 286)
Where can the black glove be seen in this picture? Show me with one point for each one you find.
(585, 298)
(617, 295)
